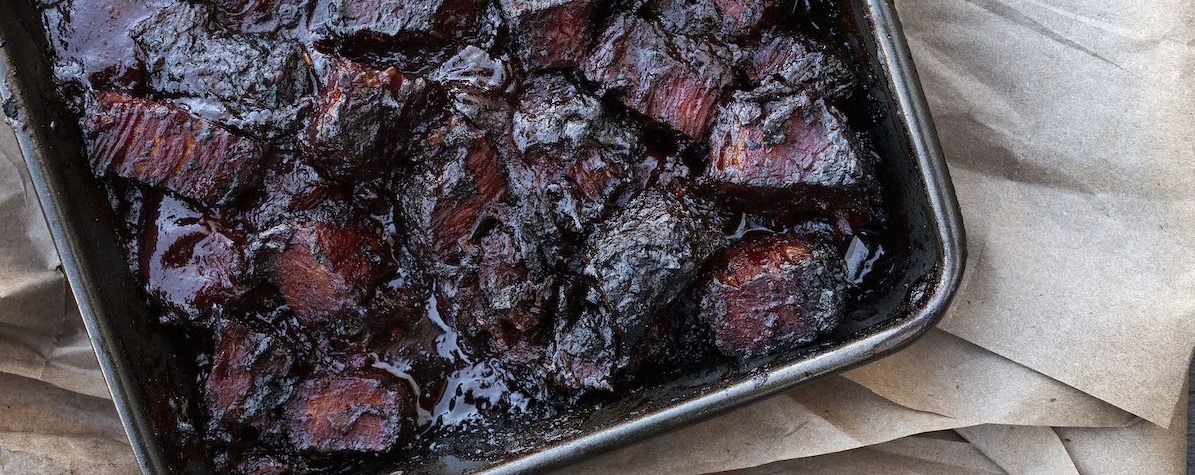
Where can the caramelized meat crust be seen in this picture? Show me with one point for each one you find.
(673, 79)
(367, 412)
(163, 145)
(773, 294)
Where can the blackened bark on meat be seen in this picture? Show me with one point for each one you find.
(781, 61)
(794, 153)
(724, 19)
(255, 83)
(386, 20)
(366, 412)
(160, 144)
(290, 187)
(577, 159)
(478, 84)
(262, 16)
(250, 375)
(673, 79)
(639, 261)
(195, 267)
(550, 33)
(361, 116)
(457, 178)
(774, 294)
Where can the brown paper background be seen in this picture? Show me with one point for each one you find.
(1066, 124)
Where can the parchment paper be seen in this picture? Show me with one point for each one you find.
(1065, 123)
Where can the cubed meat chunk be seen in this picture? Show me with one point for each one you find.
(477, 84)
(672, 79)
(550, 33)
(162, 145)
(578, 158)
(387, 19)
(255, 83)
(794, 152)
(725, 19)
(784, 61)
(516, 297)
(457, 178)
(361, 116)
(364, 412)
(328, 270)
(250, 375)
(290, 187)
(774, 294)
(194, 266)
(639, 261)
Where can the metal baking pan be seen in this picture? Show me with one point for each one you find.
(150, 377)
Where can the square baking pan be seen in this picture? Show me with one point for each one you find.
(152, 379)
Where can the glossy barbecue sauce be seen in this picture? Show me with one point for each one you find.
(383, 225)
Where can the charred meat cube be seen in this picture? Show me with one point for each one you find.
(257, 82)
(328, 270)
(362, 113)
(163, 145)
(550, 33)
(193, 265)
(477, 83)
(795, 152)
(517, 293)
(289, 188)
(363, 412)
(639, 261)
(774, 294)
(386, 19)
(673, 79)
(718, 18)
(457, 178)
(250, 375)
(577, 157)
(789, 62)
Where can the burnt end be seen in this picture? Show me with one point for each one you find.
(577, 157)
(258, 83)
(194, 266)
(362, 412)
(162, 145)
(517, 298)
(477, 84)
(289, 188)
(327, 270)
(788, 154)
(550, 33)
(249, 377)
(639, 261)
(783, 61)
(385, 19)
(672, 79)
(725, 19)
(774, 294)
(457, 178)
(362, 114)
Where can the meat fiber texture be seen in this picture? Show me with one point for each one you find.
(550, 33)
(161, 144)
(243, 80)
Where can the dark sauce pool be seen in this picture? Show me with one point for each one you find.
(469, 413)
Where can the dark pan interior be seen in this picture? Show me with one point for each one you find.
(151, 377)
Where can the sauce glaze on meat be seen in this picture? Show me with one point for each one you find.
(382, 220)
